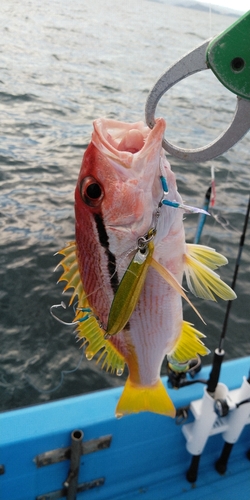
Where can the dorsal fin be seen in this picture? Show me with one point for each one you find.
(89, 329)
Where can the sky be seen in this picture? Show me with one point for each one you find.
(239, 5)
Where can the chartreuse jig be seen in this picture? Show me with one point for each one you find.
(130, 287)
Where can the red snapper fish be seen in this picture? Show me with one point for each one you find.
(127, 264)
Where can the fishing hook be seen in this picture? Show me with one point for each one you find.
(176, 204)
(83, 309)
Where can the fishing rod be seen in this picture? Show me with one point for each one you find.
(211, 408)
(219, 353)
(221, 464)
(202, 217)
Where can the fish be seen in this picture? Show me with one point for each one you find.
(128, 260)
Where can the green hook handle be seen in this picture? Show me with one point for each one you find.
(228, 56)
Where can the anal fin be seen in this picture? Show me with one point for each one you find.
(188, 345)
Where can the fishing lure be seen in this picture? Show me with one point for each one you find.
(130, 287)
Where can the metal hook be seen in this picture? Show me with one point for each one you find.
(62, 304)
(86, 310)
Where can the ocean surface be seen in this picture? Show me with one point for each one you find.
(63, 64)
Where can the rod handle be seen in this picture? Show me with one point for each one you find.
(221, 463)
(215, 372)
(192, 472)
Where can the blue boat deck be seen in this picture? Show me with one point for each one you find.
(146, 459)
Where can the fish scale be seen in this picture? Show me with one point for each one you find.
(154, 315)
(95, 274)
(135, 292)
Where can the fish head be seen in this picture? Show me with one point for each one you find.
(119, 180)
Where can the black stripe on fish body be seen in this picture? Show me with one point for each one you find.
(104, 241)
(126, 327)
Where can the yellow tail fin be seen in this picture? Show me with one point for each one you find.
(136, 398)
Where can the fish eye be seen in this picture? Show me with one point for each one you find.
(91, 192)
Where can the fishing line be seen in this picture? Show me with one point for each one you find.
(210, 20)
(213, 190)
(237, 265)
(63, 373)
(220, 219)
(219, 353)
(209, 201)
(223, 222)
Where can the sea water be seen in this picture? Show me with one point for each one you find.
(63, 64)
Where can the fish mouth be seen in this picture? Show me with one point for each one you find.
(132, 142)
(124, 141)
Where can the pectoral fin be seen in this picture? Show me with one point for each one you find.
(201, 279)
(206, 255)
